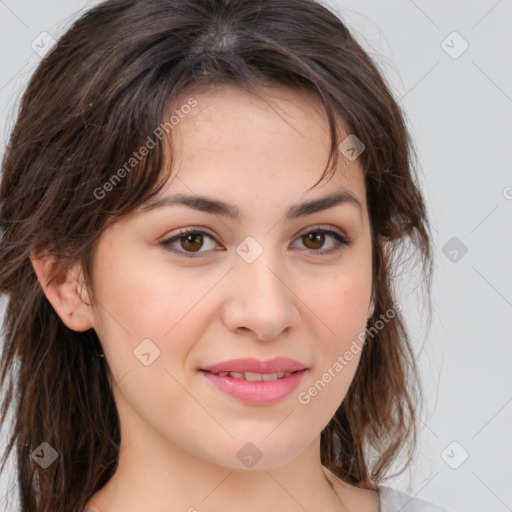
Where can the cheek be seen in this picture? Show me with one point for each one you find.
(341, 309)
(140, 294)
(143, 299)
(342, 303)
(146, 321)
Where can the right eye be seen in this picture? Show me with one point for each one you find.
(189, 239)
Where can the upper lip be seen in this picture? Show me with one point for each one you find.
(278, 364)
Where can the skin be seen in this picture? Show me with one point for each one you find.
(180, 435)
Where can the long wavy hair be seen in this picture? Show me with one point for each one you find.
(91, 103)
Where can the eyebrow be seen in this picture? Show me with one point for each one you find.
(217, 207)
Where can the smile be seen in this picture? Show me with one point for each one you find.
(255, 388)
(255, 377)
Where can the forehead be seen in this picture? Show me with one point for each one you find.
(277, 141)
(230, 108)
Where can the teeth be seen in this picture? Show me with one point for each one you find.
(255, 377)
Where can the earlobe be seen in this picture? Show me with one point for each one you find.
(66, 292)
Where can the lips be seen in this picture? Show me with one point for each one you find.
(254, 376)
(254, 381)
(264, 392)
(250, 366)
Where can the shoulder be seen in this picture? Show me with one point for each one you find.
(393, 500)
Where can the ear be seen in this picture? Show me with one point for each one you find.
(66, 292)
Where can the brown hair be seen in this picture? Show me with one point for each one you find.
(90, 104)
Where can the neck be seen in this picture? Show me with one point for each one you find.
(175, 480)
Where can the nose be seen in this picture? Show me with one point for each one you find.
(261, 301)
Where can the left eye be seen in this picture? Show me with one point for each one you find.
(191, 241)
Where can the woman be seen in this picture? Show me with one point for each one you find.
(202, 204)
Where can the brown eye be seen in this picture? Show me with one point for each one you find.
(316, 239)
(188, 242)
(191, 242)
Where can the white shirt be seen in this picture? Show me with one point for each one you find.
(392, 500)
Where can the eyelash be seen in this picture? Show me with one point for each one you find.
(341, 242)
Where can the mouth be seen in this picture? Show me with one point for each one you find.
(254, 388)
(253, 376)
(254, 370)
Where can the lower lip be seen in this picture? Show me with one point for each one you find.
(259, 393)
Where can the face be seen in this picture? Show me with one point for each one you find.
(266, 281)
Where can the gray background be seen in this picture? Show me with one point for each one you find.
(458, 106)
